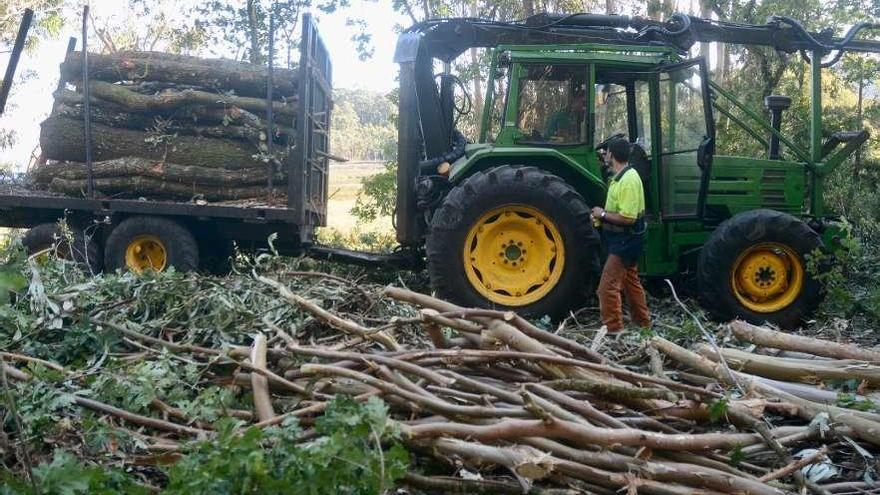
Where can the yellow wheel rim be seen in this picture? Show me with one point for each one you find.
(514, 255)
(146, 252)
(767, 277)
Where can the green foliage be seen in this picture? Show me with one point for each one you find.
(848, 275)
(11, 277)
(851, 401)
(357, 453)
(718, 409)
(66, 475)
(378, 198)
(43, 409)
(363, 125)
(374, 241)
(737, 456)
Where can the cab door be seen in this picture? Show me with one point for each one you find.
(686, 138)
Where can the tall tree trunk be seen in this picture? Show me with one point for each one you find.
(254, 33)
(529, 7)
(857, 166)
(610, 8)
(705, 13)
(721, 67)
(478, 79)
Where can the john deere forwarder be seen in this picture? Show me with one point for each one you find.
(505, 222)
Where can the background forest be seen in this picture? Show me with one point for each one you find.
(59, 315)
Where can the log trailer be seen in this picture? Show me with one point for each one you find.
(505, 222)
(138, 234)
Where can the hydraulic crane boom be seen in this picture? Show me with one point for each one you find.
(447, 38)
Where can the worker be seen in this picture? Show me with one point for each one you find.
(566, 123)
(623, 231)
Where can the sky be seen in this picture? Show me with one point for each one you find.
(30, 103)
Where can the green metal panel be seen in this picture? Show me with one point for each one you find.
(741, 184)
(575, 158)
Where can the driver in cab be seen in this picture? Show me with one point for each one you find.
(565, 124)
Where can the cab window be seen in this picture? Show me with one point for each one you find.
(611, 116)
(552, 103)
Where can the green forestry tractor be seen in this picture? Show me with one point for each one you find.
(505, 222)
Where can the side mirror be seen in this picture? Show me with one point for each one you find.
(705, 153)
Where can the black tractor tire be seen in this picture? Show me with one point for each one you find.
(513, 185)
(181, 249)
(74, 245)
(715, 267)
(216, 257)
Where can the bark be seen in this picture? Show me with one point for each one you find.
(145, 186)
(229, 115)
(259, 383)
(863, 425)
(171, 100)
(181, 127)
(336, 322)
(485, 316)
(796, 370)
(583, 435)
(62, 139)
(141, 167)
(429, 403)
(779, 340)
(217, 74)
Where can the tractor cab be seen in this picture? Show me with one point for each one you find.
(571, 101)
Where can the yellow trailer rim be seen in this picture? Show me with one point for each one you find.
(514, 255)
(146, 252)
(767, 277)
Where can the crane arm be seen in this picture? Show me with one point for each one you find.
(447, 38)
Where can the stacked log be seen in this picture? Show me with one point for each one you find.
(167, 126)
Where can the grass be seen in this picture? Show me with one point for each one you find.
(345, 184)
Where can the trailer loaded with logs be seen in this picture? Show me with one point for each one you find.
(154, 160)
(170, 127)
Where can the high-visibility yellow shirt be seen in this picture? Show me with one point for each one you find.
(626, 196)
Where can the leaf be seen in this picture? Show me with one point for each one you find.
(718, 409)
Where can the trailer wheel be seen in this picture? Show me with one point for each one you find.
(513, 237)
(140, 244)
(72, 245)
(754, 267)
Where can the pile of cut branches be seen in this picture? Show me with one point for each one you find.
(484, 401)
(168, 126)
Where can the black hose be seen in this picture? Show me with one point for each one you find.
(429, 166)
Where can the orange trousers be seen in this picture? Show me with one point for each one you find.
(618, 280)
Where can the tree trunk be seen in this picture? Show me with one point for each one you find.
(705, 13)
(857, 165)
(221, 75)
(169, 100)
(254, 33)
(478, 79)
(230, 115)
(62, 139)
(154, 169)
(145, 186)
(795, 370)
(182, 127)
